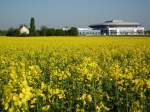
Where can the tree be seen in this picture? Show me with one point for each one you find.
(147, 32)
(51, 32)
(59, 32)
(73, 31)
(13, 32)
(43, 31)
(2, 32)
(32, 26)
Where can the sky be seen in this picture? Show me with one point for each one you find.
(78, 13)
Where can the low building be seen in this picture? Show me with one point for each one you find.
(88, 32)
(85, 31)
(24, 30)
(119, 27)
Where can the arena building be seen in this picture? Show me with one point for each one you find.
(118, 27)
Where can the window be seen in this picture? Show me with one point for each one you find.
(113, 32)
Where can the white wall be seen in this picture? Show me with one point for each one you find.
(24, 30)
(127, 30)
(88, 31)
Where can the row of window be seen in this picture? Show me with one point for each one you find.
(125, 32)
(111, 32)
(89, 33)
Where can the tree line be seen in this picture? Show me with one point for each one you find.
(147, 32)
(43, 31)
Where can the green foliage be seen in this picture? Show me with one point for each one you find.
(13, 32)
(32, 26)
(73, 31)
(147, 32)
(45, 31)
(59, 32)
(3, 33)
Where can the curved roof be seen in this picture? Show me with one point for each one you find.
(116, 23)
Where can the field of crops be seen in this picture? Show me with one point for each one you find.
(75, 74)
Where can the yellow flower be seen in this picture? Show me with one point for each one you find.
(89, 98)
(45, 108)
(83, 97)
(100, 107)
(80, 110)
(148, 84)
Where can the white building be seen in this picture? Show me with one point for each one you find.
(24, 29)
(85, 31)
(88, 32)
(119, 27)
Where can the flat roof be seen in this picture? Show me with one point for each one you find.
(116, 23)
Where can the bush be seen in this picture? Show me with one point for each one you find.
(72, 31)
(13, 32)
(2, 33)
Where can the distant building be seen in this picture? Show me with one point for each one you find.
(24, 29)
(88, 32)
(118, 27)
(113, 27)
(85, 31)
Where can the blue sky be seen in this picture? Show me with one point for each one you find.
(79, 13)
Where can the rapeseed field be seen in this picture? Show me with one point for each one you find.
(74, 74)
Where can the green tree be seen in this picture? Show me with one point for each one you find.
(59, 32)
(13, 32)
(73, 31)
(3, 32)
(43, 31)
(147, 32)
(51, 32)
(32, 26)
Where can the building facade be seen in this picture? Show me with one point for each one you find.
(88, 32)
(119, 27)
(85, 31)
(24, 29)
